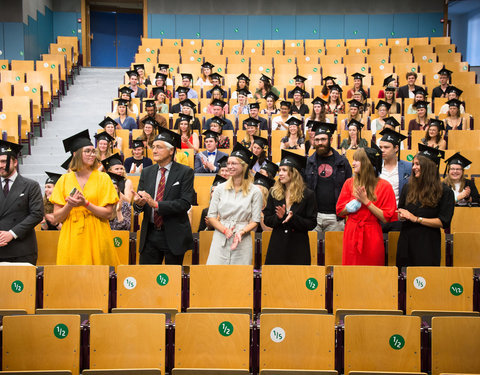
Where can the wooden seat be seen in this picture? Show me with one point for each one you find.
(455, 342)
(23, 105)
(22, 65)
(397, 42)
(75, 289)
(11, 122)
(212, 344)
(233, 292)
(287, 342)
(41, 342)
(202, 186)
(440, 40)
(121, 242)
(149, 288)
(127, 341)
(465, 249)
(363, 288)
(73, 42)
(372, 42)
(34, 92)
(293, 289)
(465, 219)
(313, 241)
(4, 65)
(205, 241)
(444, 289)
(196, 216)
(17, 288)
(333, 248)
(47, 241)
(65, 50)
(12, 76)
(59, 61)
(382, 343)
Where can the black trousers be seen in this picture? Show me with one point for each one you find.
(31, 258)
(156, 249)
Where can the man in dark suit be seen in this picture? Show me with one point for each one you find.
(254, 113)
(406, 91)
(165, 193)
(137, 92)
(207, 161)
(182, 96)
(21, 209)
(217, 110)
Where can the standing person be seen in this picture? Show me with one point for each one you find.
(425, 206)
(84, 200)
(137, 161)
(444, 78)
(367, 200)
(207, 161)
(291, 212)
(48, 223)
(394, 170)
(465, 191)
(21, 209)
(326, 172)
(235, 211)
(165, 194)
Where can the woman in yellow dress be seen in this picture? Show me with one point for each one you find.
(84, 201)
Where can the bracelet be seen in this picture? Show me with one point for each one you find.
(87, 204)
(225, 230)
(369, 203)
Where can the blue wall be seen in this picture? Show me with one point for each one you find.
(38, 34)
(12, 42)
(65, 24)
(352, 26)
(466, 35)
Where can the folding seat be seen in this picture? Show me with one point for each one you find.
(418, 42)
(465, 249)
(23, 105)
(17, 288)
(11, 122)
(333, 246)
(47, 241)
(440, 40)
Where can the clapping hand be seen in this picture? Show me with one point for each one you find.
(361, 194)
(138, 199)
(76, 200)
(280, 211)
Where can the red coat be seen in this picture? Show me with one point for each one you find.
(363, 237)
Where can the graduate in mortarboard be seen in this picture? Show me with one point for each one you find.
(48, 223)
(205, 72)
(454, 119)
(187, 82)
(138, 160)
(133, 80)
(434, 134)
(464, 189)
(300, 83)
(264, 87)
(357, 84)
(444, 77)
(243, 82)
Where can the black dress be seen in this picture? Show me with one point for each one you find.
(289, 242)
(419, 245)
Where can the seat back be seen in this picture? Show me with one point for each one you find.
(47, 242)
(23, 106)
(312, 239)
(10, 122)
(333, 248)
(17, 288)
(465, 219)
(465, 249)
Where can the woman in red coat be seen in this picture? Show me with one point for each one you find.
(366, 200)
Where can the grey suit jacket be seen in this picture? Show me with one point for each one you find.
(176, 202)
(20, 212)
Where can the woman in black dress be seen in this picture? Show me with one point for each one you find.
(425, 206)
(291, 211)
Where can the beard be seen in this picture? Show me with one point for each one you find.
(323, 150)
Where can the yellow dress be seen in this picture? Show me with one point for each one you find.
(84, 238)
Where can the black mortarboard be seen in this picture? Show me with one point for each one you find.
(392, 121)
(106, 121)
(66, 164)
(186, 76)
(125, 90)
(243, 77)
(182, 89)
(218, 102)
(250, 121)
(329, 78)
(10, 149)
(271, 95)
(294, 121)
(115, 159)
(132, 73)
(358, 76)
(218, 179)
(285, 103)
(438, 123)
(222, 162)
(122, 102)
(454, 103)
(161, 76)
(188, 103)
(336, 88)
(458, 159)
(157, 90)
(243, 153)
(265, 78)
(362, 92)
(52, 178)
(390, 88)
(139, 66)
(355, 103)
(299, 78)
(207, 65)
(311, 123)
(76, 141)
(162, 66)
(445, 71)
(218, 120)
(324, 128)
(270, 167)
(262, 142)
(420, 90)
(116, 179)
(318, 100)
(262, 180)
(254, 105)
(434, 154)
(169, 137)
(293, 160)
(184, 117)
(243, 92)
(388, 79)
(216, 76)
(298, 90)
(389, 135)
(454, 89)
(149, 103)
(210, 134)
(384, 103)
(217, 88)
(355, 123)
(150, 121)
(374, 154)
(104, 136)
(420, 104)
(137, 143)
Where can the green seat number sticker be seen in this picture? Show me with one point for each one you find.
(225, 328)
(153, 51)
(148, 59)
(117, 241)
(4, 66)
(456, 289)
(60, 331)
(162, 279)
(409, 157)
(17, 286)
(311, 283)
(397, 342)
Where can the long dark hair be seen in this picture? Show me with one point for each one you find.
(426, 189)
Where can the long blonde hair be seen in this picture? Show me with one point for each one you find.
(297, 187)
(246, 139)
(246, 182)
(366, 177)
(77, 162)
(449, 181)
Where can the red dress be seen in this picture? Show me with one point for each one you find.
(185, 145)
(363, 237)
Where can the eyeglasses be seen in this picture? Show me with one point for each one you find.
(89, 152)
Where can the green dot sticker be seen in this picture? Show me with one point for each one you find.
(162, 279)
(409, 157)
(53, 66)
(289, 60)
(397, 342)
(171, 69)
(60, 331)
(362, 69)
(406, 49)
(456, 289)
(320, 50)
(117, 241)
(381, 44)
(21, 53)
(63, 49)
(237, 52)
(434, 30)
(298, 44)
(219, 70)
(17, 78)
(413, 69)
(315, 70)
(153, 51)
(236, 30)
(258, 44)
(392, 33)
(225, 328)
(335, 61)
(277, 334)
(199, 59)
(338, 45)
(73, 32)
(450, 50)
(175, 44)
(198, 35)
(195, 51)
(162, 32)
(34, 90)
(364, 50)
(277, 52)
(148, 59)
(17, 286)
(267, 70)
(383, 61)
(465, 67)
(276, 29)
(242, 60)
(430, 60)
(315, 31)
(355, 32)
(291, 82)
(217, 44)
(4, 66)
(311, 283)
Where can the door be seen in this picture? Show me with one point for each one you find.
(116, 37)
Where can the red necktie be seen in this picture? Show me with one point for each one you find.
(157, 219)
(6, 188)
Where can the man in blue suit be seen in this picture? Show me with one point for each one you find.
(207, 161)
(395, 171)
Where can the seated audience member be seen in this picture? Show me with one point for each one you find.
(125, 93)
(269, 169)
(48, 222)
(187, 79)
(110, 127)
(452, 93)
(252, 129)
(354, 140)
(205, 71)
(444, 78)
(160, 100)
(365, 109)
(243, 82)
(188, 108)
(465, 191)
(270, 106)
(298, 106)
(335, 104)
(216, 82)
(389, 81)
(408, 91)
(150, 109)
(161, 83)
(104, 147)
(280, 122)
(217, 93)
(217, 125)
(420, 96)
(122, 219)
(377, 124)
(254, 109)
(189, 137)
(300, 83)
(222, 167)
(136, 162)
(357, 84)
(390, 98)
(181, 95)
(264, 87)
(123, 119)
(421, 122)
(264, 184)
(454, 121)
(114, 164)
(207, 161)
(165, 69)
(294, 139)
(318, 113)
(353, 113)
(241, 108)
(143, 80)
(217, 110)
(434, 135)
(259, 149)
(137, 92)
(328, 82)
(149, 131)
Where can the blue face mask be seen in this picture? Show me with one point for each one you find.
(353, 206)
